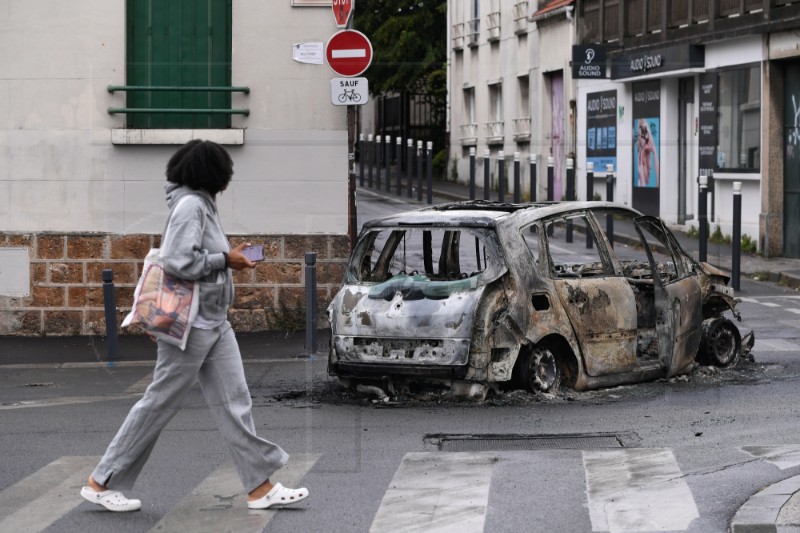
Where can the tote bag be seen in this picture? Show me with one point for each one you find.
(165, 306)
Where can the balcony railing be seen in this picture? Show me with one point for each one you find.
(177, 111)
(458, 36)
(472, 31)
(493, 26)
(521, 17)
(469, 134)
(522, 129)
(495, 132)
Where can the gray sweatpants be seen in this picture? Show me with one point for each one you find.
(212, 358)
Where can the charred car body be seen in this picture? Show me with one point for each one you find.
(478, 294)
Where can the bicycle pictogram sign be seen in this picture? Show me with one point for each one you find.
(349, 91)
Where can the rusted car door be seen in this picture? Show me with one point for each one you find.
(678, 301)
(599, 302)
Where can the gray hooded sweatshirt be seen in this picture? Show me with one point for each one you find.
(192, 248)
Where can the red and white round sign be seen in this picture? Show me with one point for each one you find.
(349, 53)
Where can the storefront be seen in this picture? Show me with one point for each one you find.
(681, 111)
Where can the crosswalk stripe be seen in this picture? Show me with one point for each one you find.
(56, 488)
(782, 456)
(437, 492)
(769, 304)
(639, 489)
(795, 311)
(220, 504)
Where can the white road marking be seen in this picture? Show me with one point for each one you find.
(769, 304)
(639, 489)
(39, 500)
(785, 456)
(140, 386)
(437, 492)
(795, 311)
(219, 503)
(776, 345)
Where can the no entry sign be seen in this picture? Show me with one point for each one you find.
(349, 53)
(342, 9)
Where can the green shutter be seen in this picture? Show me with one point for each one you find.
(185, 43)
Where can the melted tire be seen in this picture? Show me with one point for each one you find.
(541, 371)
(721, 343)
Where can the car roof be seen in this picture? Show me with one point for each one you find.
(483, 213)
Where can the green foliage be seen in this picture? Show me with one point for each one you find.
(596, 197)
(440, 164)
(287, 318)
(748, 244)
(718, 238)
(693, 231)
(409, 44)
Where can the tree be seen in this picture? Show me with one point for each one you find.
(409, 45)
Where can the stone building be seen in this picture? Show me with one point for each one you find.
(85, 138)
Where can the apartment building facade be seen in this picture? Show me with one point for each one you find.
(664, 92)
(94, 98)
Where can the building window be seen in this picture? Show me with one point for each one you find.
(180, 43)
(495, 126)
(739, 122)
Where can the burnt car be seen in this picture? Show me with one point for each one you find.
(478, 295)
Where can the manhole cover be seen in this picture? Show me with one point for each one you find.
(475, 443)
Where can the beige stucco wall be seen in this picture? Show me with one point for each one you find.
(59, 170)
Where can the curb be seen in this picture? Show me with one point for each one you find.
(759, 514)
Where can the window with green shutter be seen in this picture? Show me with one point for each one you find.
(181, 49)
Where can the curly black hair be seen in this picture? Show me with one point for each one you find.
(201, 165)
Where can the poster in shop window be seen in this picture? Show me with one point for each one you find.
(601, 129)
(646, 134)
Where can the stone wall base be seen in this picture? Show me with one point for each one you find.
(65, 295)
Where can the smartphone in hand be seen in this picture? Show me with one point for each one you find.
(254, 253)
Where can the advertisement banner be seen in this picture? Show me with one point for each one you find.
(646, 134)
(707, 117)
(601, 129)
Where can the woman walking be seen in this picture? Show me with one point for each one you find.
(194, 247)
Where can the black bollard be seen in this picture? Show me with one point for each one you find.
(410, 166)
(517, 195)
(399, 163)
(472, 173)
(702, 216)
(311, 302)
(361, 159)
(589, 195)
(387, 162)
(501, 177)
(370, 159)
(430, 172)
(736, 244)
(570, 193)
(487, 183)
(378, 161)
(419, 171)
(110, 304)
(534, 159)
(550, 186)
(610, 198)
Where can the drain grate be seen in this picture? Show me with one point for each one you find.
(476, 443)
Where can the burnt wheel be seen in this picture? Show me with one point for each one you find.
(721, 344)
(541, 371)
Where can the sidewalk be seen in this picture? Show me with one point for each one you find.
(781, 270)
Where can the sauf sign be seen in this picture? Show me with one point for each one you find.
(342, 10)
(349, 91)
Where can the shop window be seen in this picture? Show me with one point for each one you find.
(739, 122)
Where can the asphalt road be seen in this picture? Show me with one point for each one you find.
(677, 455)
